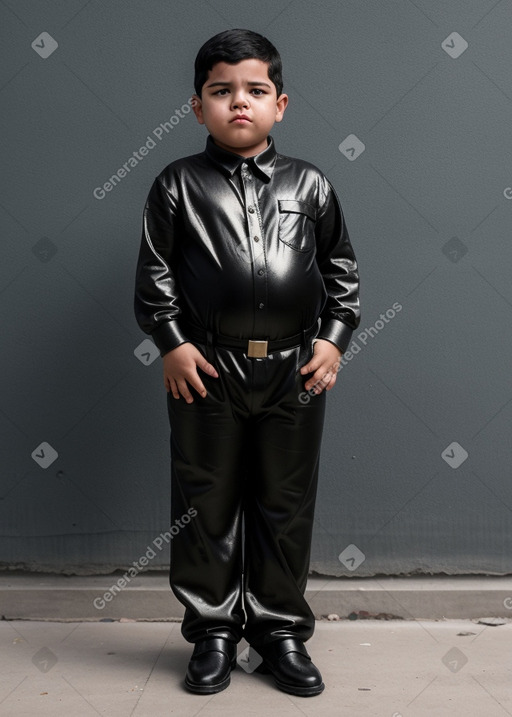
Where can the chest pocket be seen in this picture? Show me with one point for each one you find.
(297, 224)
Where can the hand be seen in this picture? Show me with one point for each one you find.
(324, 365)
(180, 367)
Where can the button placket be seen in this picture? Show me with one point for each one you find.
(256, 235)
(253, 224)
(246, 249)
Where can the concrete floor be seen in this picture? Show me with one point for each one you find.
(393, 668)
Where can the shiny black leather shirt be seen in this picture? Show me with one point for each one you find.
(247, 247)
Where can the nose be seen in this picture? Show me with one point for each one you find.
(240, 99)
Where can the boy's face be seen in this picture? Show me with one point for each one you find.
(234, 90)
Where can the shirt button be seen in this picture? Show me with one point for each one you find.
(256, 238)
(261, 306)
(250, 210)
(261, 272)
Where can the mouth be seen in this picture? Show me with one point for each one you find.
(240, 119)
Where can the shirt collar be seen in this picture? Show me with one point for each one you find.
(230, 162)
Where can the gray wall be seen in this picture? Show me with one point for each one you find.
(427, 204)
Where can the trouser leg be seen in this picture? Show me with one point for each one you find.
(279, 508)
(206, 555)
(251, 421)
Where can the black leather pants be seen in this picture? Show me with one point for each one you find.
(250, 448)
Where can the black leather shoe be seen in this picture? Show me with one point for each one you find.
(291, 667)
(210, 666)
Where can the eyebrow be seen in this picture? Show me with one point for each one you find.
(227, 84)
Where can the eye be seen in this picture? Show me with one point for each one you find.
(221, 92)
(259, 91)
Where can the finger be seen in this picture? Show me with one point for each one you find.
(196, 383)
(208, 368)
(332, 380)
(331, 383)
(320, 379)
(312, 385)
(311, 366)
(174, 388)
(317, 388)
(326, 378)
(183, 389)
(326, 382)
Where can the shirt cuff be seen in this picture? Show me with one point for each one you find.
(337, 333)
(167, 336)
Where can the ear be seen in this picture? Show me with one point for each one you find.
(281, 104)
(197, 106)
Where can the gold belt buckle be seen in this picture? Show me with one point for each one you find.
(257, 349)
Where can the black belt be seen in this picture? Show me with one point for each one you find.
(255, 348)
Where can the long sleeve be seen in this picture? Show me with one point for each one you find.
(157, 303)
(338, 266)
(193, 273)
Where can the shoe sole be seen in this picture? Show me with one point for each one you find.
(209, 689)
(299, 691)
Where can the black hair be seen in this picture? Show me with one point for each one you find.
(232, 46)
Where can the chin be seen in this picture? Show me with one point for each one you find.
(240, 141)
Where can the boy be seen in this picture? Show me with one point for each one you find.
(248, 284)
